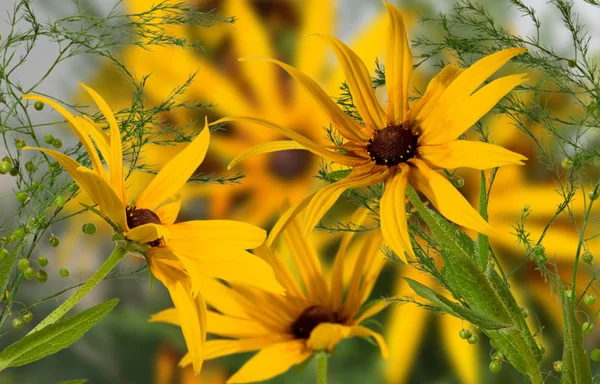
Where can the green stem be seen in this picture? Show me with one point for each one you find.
(322, 368)
(482, 240)
(117, 254)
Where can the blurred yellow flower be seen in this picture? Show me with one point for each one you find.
(320, 309)
(404, 146)
(177, 254)
(167, 372)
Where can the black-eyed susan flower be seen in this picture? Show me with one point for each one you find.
(319, 310)
(405, 145)
(178, 254)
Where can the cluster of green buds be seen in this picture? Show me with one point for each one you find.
(496, 363)
(471, 335)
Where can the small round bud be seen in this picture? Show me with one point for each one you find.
(542, 348)
(30, 167)
(588, 327)
(459, 182)
(498, 356)
(38, 105)
(542, 259)
(64, 273)
(42, 261)
(5, 296)
(473, 339)
(54, 241)
(27, 316)
(20, 143)
(5, 167)
(29, 273)
(59, 201)
(48, 139)
(17, 323)
(21, 196)
(539, 250)
(88, 228)
(595, 194)
(567, 163)
(572, 63)
(3, 254)
(57, 143)
(570, 295)
(588, 257)
(19, 233)
(557, 366)
(595, 354)
(54, 167)
(495, 366)
(464, 334)
(23, 264)
(41, 276)
(589, 299)
(525, 312)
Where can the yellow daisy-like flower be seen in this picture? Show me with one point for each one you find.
(405, 145)
(178, 254)
(317, 313)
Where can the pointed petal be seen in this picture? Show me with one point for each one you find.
(471, 154)
(463, 356)
(398, 66)
(273, 146)
(366, 332)
(116, 149)
(223, 298)
(175, 173)
(218, 348)
(233, 234)
(271, 361)
(326, 336)
(286, 218)
(168, 212)
(303, 141)
(393, 214)
(359, 82)
(147, 233)
(98, 136)
(168, 316)
(342, 122)
(442, 194)
(373, 310)
(231, 327)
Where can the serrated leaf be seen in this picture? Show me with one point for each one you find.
(473, 316)
(6, 269)
(575, 362)
(54, 337)
(79, 381)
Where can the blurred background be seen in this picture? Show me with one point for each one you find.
(425, 347)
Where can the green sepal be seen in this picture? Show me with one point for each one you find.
(575, 362)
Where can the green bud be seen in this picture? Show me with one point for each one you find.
(17, 323)
(14, 171)
(3, 254)
(595, 194)
(48, 139)
(473, 339)
(64, 273)
(29, 273)
(464, 334)
(88, 228)
(42, 261)
(41, 276)
(588, 327)
(57, 143)
(19, 233)
(27, 316)
(20, 143)
(5, 296)
(557, 366)
(5, 167)
(21, 196)
(567, 163)
(495, 366)
(525, 312)
(23, 264)
(588, 257)
(54, 241)
(542, 259)
(38, 105)
(542, 348)
(570, 295)
(595, 354)
(589, 299)
(59, 201)
(539, 250)
(498, 356)
(572, 63)
(54, 167)
(459, 182)
(30, 167)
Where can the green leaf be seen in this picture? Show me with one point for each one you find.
(576, 364)
(6, 269)
(54, 337)
(78, 381)
(473, 316)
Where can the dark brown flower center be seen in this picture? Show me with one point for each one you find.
(392, 145)
(141, 216)
(310, 318)
(289, 164)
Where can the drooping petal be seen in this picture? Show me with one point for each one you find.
(398, 66)
(326, 336)
(286, 218)
(444, 196)
(168, 212)
(175, 173)
(342, 122)
(366, 332)
(271, 361)
(218, 348)
(393, 214)
(147, 233)
(471, 154)
(328, 195)
(233, 234)
(303, 141)
(273, 146)
(359, 82)
(116, 149)
(468, 112)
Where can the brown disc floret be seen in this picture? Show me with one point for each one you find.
(141, 216)
(392, 145)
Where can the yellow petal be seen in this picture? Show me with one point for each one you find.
(175, 173)
(100, 138)
(398, 66)
(468, 112)
(273, 146)
(359, 82)
(442, 194)
(463, 356)
(373, 310)
(116, 149)
(233, 234)
(232, 327)
(218, 348)
(147, 233)
(169, 316)
(326, 336)
(303, 141)
(223, 298)
(393, 214)
(471, 154)
(327, 196)
(342, 122)
(318, 17)
(286, 218)
(366, 332)
(168, 212)
(80, 130)
(271, 361)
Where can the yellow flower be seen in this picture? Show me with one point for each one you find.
(405, 145)
(166, 371)
(178, 254)
(319, 310)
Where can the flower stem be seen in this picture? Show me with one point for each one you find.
(322, 368)
(117, 254)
